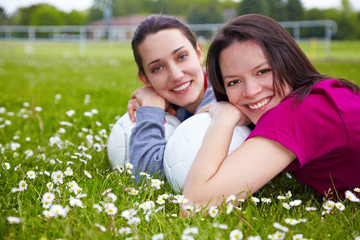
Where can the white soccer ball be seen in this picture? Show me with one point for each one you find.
(119, 138)
(184, 144)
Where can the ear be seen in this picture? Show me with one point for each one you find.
(144, 79)
(200, 53)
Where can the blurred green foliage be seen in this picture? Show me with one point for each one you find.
(194, 11)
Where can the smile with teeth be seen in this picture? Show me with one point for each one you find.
(260, 104)
(181, 87)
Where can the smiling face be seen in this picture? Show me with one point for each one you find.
(173, 68)
(248, 79)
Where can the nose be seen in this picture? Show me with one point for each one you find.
(175, 72)
(252, 88)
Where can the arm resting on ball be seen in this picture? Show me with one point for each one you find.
(215, 176)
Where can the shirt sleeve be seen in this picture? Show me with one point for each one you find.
(147, 141)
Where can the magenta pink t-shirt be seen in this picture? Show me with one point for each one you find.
(324, 133)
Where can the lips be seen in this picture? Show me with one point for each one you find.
(181, 87)
(259, 104)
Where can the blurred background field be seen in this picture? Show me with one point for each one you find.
(107, 73)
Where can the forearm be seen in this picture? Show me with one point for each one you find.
(211, 155)
(242, 172)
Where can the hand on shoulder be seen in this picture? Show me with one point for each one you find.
(145, 96)
(225, 111)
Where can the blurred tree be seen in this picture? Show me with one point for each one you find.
(128, 7)
(95, 14)
(195, 11)
(346, 8)
(294, 10)
(253, 6)
(357, 25)
(23, 15)
(314, 14)
(228, 4)
(195, 15)
(208, 13)
(46, 14)
(214, 15)
(3, 17)
(76, 18)
(277, 10)
(346, 19)
(174, 7)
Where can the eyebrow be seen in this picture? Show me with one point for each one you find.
(172, 53)
(256, 67)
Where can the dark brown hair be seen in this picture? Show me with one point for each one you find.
(289, 63)
(152, 25)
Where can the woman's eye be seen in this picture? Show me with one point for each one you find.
(232, 83)
(182, 57)
(262, 72)
(156, 69)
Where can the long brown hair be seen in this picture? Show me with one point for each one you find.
(154, 24)
(289, 63)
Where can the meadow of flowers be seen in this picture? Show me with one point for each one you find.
(56, 112)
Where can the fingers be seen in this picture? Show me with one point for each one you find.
(170, 109)
(133, 104)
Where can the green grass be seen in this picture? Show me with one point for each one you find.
(106, 76)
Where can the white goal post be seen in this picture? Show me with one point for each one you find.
(123, 33)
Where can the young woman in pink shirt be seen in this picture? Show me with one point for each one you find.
(305, 122)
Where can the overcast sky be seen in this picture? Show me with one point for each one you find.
(10, 6)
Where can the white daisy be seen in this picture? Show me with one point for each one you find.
(57, 177)
(236, 234)
(31, 174)
(87, 174)
(213, 211)
(22, 185)
(49, 196)
(125, 231)
(158, 236)
(280, 227)
(351, 196)
(110, 209)
(75, 202)
(329, 205)
(13, 220)
(57, 210)
(340, 206)
(6, 166)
